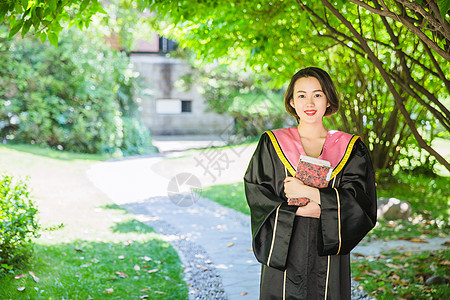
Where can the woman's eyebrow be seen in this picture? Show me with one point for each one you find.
(312, 91)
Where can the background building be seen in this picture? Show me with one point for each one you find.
(166, 110)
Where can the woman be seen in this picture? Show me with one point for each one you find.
(304, 250)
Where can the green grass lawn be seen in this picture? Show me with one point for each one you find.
(402, 275)
(100, 251)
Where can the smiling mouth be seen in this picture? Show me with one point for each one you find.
(310, 112)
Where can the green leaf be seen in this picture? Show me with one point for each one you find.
(80, 25)
(419, 1)
(52, 4)
(83, 5)
(15, 29)
(101, 10)
(38, 12)
(24, 4)
(53, 39)
(43, 37)
(26, 27)
(444, 6)
(18, 8)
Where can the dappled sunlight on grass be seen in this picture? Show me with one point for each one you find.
(55, 154)
(230, 195)
(81, 269)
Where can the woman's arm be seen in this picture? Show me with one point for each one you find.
(294, 188)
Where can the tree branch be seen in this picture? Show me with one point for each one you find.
(438, 68)
(412, 59)
(378, 64)
(405, 22)
(437, 13)
(346, 37)
(444, 119)
(405, 86)
(341, 43)
(436, 22)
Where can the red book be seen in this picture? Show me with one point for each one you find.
(312, 172)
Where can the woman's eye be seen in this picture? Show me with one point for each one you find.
(301, 96)
(317, 95)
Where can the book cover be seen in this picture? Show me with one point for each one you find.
(312, 172)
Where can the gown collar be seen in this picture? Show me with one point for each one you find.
(336, 149)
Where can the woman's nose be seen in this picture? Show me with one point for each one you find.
(309, 100)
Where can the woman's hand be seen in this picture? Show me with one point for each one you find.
(312, 210)
(294, 188)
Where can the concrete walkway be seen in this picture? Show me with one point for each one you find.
(213, 241)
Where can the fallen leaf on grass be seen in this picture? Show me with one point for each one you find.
(358, 278)
(145, 290)
(146, 258)
(379, 290)
(121, 274)
(79, 250)
(108, 291)
(393, 266)
(95, 261)
(136, 268)
(394, 277)
(35, 278)
(158, 292)
(444, 262)
(243, 293)
(399, 282)
(121, 257)
(153, 271)
(86, 265)
(21, 289)
(144, 297)
(20, 276)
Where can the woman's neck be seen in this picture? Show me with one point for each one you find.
(312, 131)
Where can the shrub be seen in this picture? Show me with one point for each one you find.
(18, 223)
(71, 98)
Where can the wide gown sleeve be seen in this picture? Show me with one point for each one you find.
(349, 210)
(271, 217)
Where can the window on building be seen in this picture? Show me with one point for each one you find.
(186, 106)
(173, 106)
(166, 45)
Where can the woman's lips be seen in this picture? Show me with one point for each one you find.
(310, 112)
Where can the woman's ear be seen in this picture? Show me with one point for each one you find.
(328, 104)
(291, 102)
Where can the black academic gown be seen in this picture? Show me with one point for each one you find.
(301, 257)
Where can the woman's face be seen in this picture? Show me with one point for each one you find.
(309, 100)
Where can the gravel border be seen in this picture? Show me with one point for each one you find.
(202, 278)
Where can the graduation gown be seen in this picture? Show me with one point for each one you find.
(301, 257)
